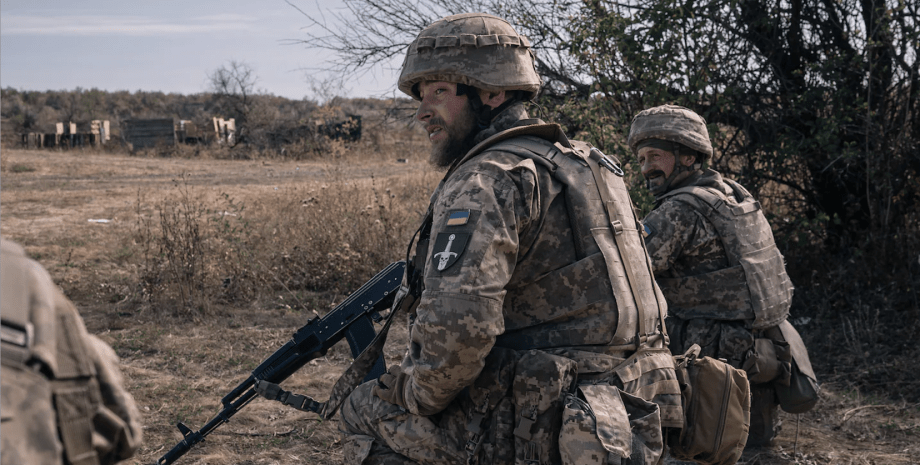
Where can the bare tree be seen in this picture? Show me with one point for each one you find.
(818, 97)
(233, 85)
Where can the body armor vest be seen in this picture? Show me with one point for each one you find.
(612, 267)
(59, 373)
(755, 286)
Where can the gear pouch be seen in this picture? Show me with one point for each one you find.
(763, 363)
(802, 392)
(541, 381)
(603, 425)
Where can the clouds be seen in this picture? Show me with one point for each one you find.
(138, 26)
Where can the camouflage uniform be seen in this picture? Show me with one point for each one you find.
(62, 395)
(505, 273)
(721, 294)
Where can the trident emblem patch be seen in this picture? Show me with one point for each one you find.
(450, 246)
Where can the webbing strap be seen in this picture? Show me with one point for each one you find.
(616, 225)
(361, 366)
(17, 342)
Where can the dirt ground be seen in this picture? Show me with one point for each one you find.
(71, 210)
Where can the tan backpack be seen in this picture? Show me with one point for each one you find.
(716, 398)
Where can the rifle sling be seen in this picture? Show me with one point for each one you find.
(358, 369)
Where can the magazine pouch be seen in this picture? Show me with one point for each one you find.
(603, 425)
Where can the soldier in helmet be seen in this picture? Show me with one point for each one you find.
(519, 282)
(62, 393)
(715, 259)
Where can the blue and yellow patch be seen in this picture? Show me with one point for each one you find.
(458, 218)
(647, 231)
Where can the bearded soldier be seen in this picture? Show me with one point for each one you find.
(715, 259)
(533, 310)
(63, 398)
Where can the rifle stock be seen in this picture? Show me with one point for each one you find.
(352, 320)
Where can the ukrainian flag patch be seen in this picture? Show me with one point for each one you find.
(458, 218)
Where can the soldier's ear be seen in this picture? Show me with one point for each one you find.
(688, 159)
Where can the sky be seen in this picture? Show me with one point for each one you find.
(170, 46)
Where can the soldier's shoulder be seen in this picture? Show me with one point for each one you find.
(682, 201)
(10, 248)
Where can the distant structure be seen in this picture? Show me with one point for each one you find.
(67, 135)
(225, 130)
(143, 133)
(348, 129)
(187, 132)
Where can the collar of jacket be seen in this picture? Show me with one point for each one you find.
(551, 132)
(701, 178)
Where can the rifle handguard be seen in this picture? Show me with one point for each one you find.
(272, 391)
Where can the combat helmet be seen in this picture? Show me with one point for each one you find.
(475, 49)
(671, 123)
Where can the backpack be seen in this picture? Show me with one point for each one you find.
(716, 399)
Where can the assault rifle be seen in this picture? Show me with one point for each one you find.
(352, 320)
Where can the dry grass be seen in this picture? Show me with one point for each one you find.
(293, 237)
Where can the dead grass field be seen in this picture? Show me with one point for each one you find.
(179, 365)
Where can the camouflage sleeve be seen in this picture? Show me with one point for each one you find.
(478, 217)
(671, 228)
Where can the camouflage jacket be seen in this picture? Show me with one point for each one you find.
(500, 224)
(714, 255)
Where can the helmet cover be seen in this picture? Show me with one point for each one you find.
(476, 49)
(671, 123)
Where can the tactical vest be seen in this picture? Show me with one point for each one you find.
(755, 286)
(611, 252)
(51, 385)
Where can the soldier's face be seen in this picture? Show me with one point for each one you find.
(656, 165)
(447, 118)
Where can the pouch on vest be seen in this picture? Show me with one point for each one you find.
(767, 361)
(603, 425)
(801, 394)
(490, 413)
(541, 382)
(649, 374)
(717, 410)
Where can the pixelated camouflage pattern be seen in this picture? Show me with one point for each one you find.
(752, 284)
(94, 420)
(672, 123)
(519, 232)
(475, 49)
(422, 439)
(541, 382)
(604, 425)
(716, 313)
(29, 430)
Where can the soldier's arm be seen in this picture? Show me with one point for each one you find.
(670, 228)
(460, 313)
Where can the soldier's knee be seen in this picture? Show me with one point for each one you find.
(356, 448)
(362, 411)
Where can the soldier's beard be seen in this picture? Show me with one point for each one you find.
(458, 142)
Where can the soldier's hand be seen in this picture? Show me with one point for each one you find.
(391, 386)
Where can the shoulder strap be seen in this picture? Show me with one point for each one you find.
(617, 218)
(620, 220)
